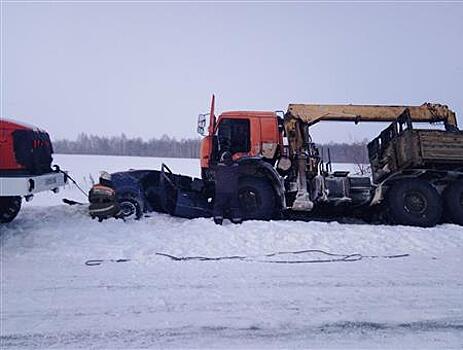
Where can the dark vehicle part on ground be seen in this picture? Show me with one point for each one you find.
(71, 202)
(25, 166)
(9, 208)
(416, 172)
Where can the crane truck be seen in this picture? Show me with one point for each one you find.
(417, 174)
(25, 166)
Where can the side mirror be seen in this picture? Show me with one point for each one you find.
(202, 120)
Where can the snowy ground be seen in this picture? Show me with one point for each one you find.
(51, 299)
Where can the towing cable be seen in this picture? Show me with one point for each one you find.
(67, 176)
(333, 257)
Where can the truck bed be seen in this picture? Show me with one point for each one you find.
(414, 149)
(430, 148)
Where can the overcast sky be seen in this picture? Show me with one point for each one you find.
(148, 69)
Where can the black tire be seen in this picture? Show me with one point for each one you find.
(130, 208)
(414, 202)
(257, 199)
(453, 202)
(9, 208)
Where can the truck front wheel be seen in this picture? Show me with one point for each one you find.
(414, 202)
(9, 208)
(257, 200)
(453, 202)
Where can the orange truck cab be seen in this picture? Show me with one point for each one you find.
(255, 140)
(243, 133)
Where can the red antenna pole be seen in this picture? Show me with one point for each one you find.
(212, 116)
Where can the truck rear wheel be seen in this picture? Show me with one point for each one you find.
(453, 202)
(9, 208)
(257, 200)
(414, 202)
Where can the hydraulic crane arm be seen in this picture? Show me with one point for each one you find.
(301, 116)
(428, 112)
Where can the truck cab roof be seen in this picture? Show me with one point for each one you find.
(6, 123)
(247, 114)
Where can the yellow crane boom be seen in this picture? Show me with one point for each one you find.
(428, 112)
(300, 116)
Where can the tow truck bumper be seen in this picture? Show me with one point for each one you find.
(30, 185)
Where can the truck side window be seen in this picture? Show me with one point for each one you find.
(234, 135)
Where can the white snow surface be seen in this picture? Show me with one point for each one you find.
(51, 299)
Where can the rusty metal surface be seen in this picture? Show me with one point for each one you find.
(431, 149)
(313, 113)
(427, 147)
(439, 146)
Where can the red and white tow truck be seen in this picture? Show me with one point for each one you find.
(25, 166)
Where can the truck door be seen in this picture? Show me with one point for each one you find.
(234, 136)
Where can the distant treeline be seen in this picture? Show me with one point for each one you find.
(123, 146)
(185, 148)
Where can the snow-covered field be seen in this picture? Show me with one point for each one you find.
(51, 299)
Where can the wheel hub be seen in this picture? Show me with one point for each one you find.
(128, 209)
(415, 203)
